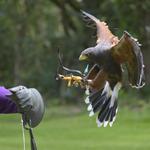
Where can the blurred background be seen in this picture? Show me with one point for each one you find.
(31, 31)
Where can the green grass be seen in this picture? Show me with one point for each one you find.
(67, 128)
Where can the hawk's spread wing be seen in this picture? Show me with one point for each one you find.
(103, 33)
(127, 51)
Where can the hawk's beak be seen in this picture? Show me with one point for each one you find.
(83, 57)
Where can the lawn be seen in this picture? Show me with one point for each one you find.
(68, 128)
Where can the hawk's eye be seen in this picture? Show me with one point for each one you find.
(89, 54)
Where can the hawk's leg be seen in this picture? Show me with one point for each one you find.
(93, 72)
(98, 82)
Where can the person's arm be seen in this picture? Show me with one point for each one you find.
(6, 104)
(20, 99)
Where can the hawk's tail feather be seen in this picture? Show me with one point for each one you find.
(104, 101)
(107, 115)
(113, 114)
(92, 96)
(98, 104)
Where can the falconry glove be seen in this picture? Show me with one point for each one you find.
(29, 103)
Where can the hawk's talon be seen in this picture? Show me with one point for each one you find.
(75, 80)
(72, 80)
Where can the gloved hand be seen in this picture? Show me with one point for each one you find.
(29, 103)
(22, 97)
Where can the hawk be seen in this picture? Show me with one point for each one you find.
(105, 77)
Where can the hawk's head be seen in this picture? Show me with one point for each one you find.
(88, 54)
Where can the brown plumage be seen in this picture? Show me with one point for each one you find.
(105, 77)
